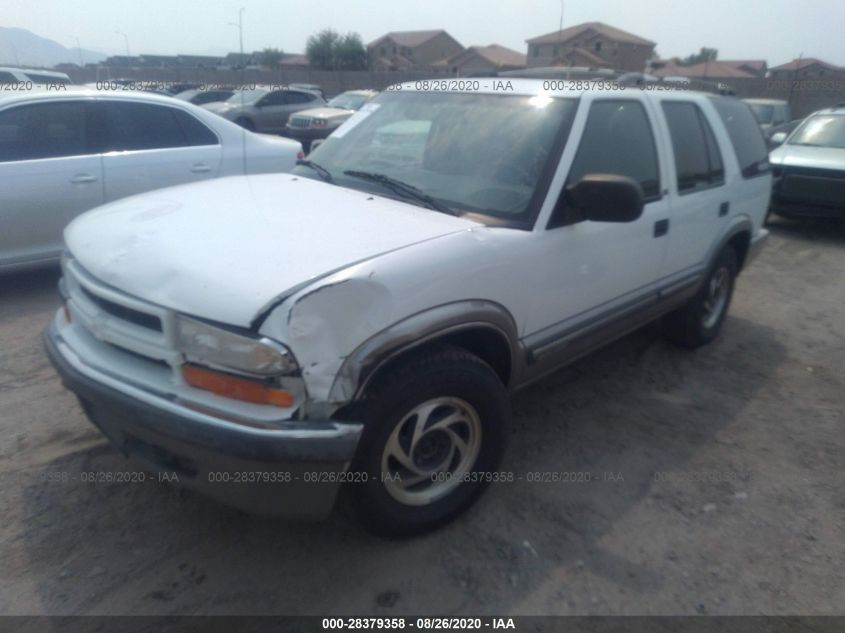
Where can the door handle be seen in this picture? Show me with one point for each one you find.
(661, 228)
(724, 208)
(80, 179)
(200, 168)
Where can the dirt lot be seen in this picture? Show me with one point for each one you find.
(717, 485)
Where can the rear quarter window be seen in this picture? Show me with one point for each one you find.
(746, 137)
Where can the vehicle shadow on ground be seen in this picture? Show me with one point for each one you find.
(820, 230)
(636, 408)
(28, 292)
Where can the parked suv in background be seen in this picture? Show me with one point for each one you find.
(770, 112)
(318, 123)
(264, 110)
(809, 168)
(361, 322)
(64, 152)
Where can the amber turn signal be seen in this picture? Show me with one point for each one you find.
(236, 388)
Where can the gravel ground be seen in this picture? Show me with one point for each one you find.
(716, 485)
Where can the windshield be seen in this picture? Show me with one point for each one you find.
(764, 113)
(488, 154)
(821, 131)
(348, 101)
(248, 96)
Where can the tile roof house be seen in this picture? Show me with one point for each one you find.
(716, 69)
(806, 67)
(483, 59)
(400, 50)
(591, 44)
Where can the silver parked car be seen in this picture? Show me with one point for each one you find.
(809, 168)
(265, 110)
(318, 123)
(770, 112)
(62, 153)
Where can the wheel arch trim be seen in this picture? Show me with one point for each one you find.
(359, 368)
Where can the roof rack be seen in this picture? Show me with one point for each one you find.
(642, 80)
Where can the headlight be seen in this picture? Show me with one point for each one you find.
(318, 122)
(216, 347)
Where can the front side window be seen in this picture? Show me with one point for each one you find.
(43, 130)
(698, 163)
(144, 126)
(618, 140)
(491, 155)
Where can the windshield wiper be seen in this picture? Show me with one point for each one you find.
(325, 174)
(402, 188)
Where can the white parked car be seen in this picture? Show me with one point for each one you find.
(360, 322)
(28, 78)
(65, 152)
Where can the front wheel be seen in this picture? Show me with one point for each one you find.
(435, 431)
(699, 321)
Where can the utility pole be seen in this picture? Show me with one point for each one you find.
(125, 41)
(79, 51)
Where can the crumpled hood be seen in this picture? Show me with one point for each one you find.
(225, 249)
(806, 156)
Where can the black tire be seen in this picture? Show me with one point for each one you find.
(440, 373)
(245, 123)
(693, 324)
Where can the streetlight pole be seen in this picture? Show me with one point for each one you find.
(79, 51)
(125, 41)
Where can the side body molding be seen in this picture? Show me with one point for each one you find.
(362, 364)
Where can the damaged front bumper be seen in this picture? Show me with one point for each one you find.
(293, 469)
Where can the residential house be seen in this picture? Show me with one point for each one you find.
(715, 69)
(483, 60)
(592, 44)
(400, 50)
(806, 68)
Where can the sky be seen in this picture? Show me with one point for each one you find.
(774, 30)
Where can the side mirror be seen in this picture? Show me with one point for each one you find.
(777, 139)
(606, 198)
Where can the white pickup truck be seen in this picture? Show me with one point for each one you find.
(357, 325)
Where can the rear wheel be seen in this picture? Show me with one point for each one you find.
(699, 321)
(436, 427)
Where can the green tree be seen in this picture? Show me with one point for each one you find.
(328, 50)
(271, 57)
(321, 49)
(704, 55)
(350, 53)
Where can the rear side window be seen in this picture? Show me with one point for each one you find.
(698, 162)
(746, 137)
(144, 126)
(295, 98)
(196, 133)
(618, 140)
(44, 130)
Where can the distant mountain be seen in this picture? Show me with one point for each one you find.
(19, 47)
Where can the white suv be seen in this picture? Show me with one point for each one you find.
(359, 324)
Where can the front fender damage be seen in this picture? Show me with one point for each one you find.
(326, 324)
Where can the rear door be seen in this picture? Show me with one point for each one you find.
(699, 198)
(150, 146)
(49, 174)
(271, 112)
